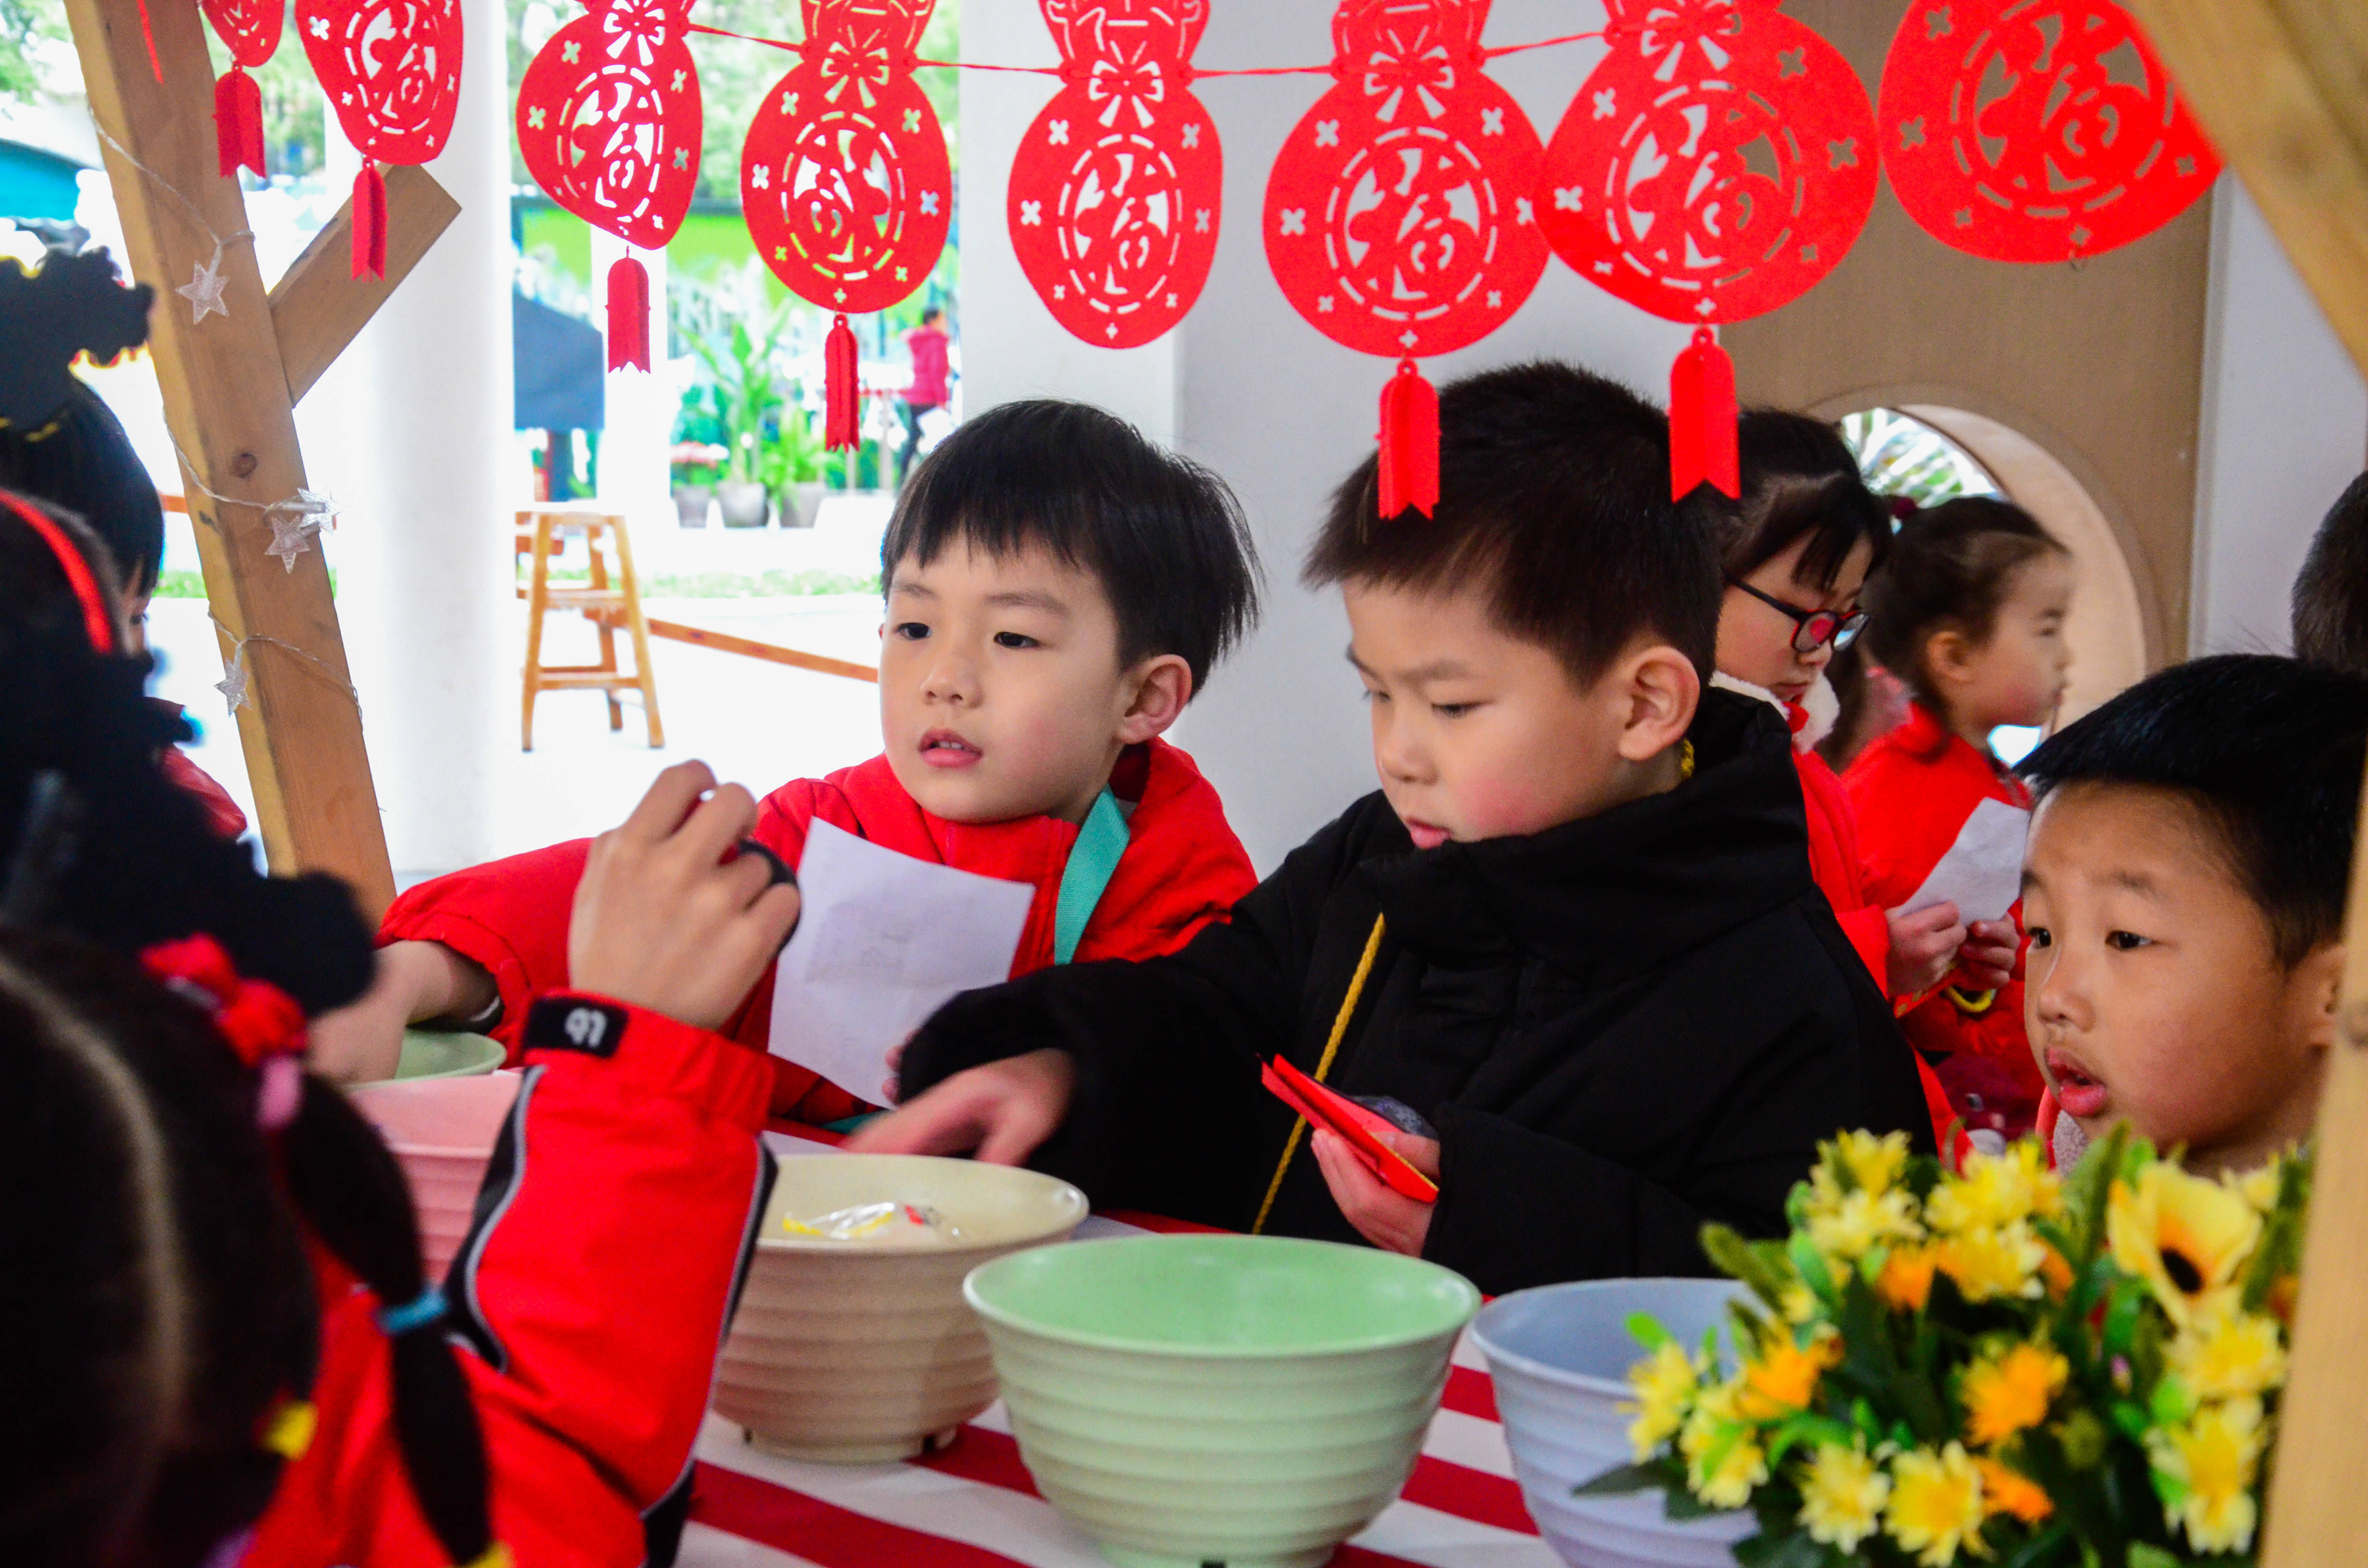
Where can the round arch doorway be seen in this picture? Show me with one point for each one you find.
(1931, 451)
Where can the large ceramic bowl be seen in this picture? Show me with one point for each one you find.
(861, 1352)
(442, 1132)
(1560, 1355)
(1244, 1400)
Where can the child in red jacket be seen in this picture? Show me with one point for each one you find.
(239, 1362)
(1796, 552)
(1969, 611)
(1057, 590)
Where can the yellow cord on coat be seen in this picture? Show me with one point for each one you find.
(1331, 1048)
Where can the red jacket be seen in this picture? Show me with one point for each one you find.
(1913, 789)
(592, 1295)
(1182, 869)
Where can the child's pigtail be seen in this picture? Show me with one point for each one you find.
(353, 1195)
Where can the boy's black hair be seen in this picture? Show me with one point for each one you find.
(1801, 480)
(84, 463)
(2269, 750)
(1553, 497)
(1164, 536)
(2331, 593)
(932, 312)
(1948, 571)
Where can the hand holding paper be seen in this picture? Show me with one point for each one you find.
(885, 941)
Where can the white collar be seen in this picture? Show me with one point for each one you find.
(1822, 706)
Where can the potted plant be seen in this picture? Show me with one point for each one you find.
(1994, 1366)
(793, 467)
(746, 401)
(696, 458)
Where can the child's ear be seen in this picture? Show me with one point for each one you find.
(1661, 689)
(2320, 978)
(1949, 654)
(1158, 689)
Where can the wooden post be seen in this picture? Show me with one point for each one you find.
(228, 402)
(2283, 87)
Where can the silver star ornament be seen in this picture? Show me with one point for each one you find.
(204, 290)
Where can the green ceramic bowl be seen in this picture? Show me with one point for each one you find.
(427, 1054)
(1245, 1400)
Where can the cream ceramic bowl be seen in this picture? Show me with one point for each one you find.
(1560, 1355)
(862, 1352)
(1245, 1400)
(442, 1132)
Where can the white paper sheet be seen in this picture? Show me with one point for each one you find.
(882, 941)
(1982, 872)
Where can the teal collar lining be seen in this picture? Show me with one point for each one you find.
(1093, 861)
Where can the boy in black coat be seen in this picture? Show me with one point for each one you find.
(1575, 933)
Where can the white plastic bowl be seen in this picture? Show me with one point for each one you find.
(1560, 1355)
(442, 1132)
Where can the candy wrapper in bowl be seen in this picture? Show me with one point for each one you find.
(853, 1343)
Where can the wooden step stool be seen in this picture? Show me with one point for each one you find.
(615, 595)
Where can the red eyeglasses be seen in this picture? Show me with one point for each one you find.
(1812, 629)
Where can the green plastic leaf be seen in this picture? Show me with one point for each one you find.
(1653, 1475)
(1795, 1549)
(1682, 1505)
(2171, 1404)
(2122, 1312)
(1646, 1331)
(2145, 1554)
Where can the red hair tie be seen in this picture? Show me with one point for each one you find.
(95, 618)
(257, 1019)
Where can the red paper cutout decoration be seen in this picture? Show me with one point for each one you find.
(369, 222)
(609, 119)
(842, 424)
(390, 69)
(844, 178)
(249, 29)
(1704, 439)
(1399, 217)
(2036, 130)
(629, 314)
(1115, 188)
(1715, 165)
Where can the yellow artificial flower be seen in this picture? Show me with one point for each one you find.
(1936, 1505)
(2213, 1462)
(2185, 1236)
(1842, 1494)
(2006, 1491)
(1855, 1224)
(1996, 1191)
(1799, 1303)
(1724, 1459)
(1665, 1384)
(1905, 1282)
(2258, 1186)
(2230, 1353)
(1876, 1164)
(2004, 1394)
(1784, 1378)
(1988, 1265)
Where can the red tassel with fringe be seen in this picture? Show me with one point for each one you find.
(629, 315)
(238, 123)
(1701, 419)
(1409, 442)
(369, 222)
(842, 425)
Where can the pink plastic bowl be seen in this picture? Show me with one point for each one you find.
(442, 1130)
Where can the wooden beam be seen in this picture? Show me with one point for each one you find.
(2281, 86)
(318, 306)
(227, 404)
(772, 652)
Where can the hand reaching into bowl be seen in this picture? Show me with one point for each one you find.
(1003, 1110)
(662, 921)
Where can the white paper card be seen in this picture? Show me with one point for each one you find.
(1982, 872)
(882, 941)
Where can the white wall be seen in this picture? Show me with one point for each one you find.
(2285, 428)
(1253, 391)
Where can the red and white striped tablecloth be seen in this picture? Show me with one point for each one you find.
(974, 1505)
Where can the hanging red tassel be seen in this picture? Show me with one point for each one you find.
(238, 123)
(629, 315)
(1701, 419)
(1409, 442)
(842, 429)
(369, 222)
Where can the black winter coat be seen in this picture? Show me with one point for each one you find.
(1621, 1028)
